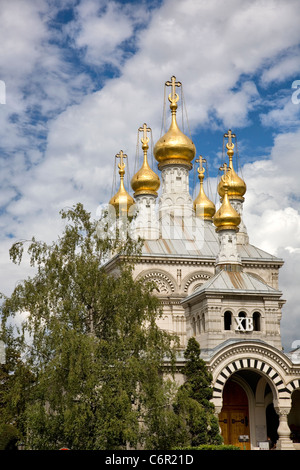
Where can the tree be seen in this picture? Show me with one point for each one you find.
(193, 400)
(15, 379)
(90, 341)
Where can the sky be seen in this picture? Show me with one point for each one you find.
(79, 77)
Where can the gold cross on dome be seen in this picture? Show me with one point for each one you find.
(145, 129)
(121, 155)
(230, 135)
(226, 170)
(201, 160)
(173, 96)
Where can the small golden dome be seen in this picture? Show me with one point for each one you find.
(236, 186)
(174, 146)
(203, 206)
(145, 181)
(121, 201)
(226, 218)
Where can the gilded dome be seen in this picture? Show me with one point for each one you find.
(236, 186)
(145, 181)
(122, 200)
(226, 218)
(203, 206)
(174, 146)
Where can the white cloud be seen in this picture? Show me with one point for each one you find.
(285, 115)
(285, 67)
(100, 28)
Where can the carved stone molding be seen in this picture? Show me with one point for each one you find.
(196, 277)
(165, 285)
(257, 350)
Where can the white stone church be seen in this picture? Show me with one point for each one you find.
(216, 286)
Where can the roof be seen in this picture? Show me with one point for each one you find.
(234, 282)
(199, 239)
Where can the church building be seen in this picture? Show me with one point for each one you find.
(214, 285)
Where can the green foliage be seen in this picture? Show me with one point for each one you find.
(91, 343)
(192, 401)
(9, 437)
(197, 375)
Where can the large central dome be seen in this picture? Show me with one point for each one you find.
(174, 147)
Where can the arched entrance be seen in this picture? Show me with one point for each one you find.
(234, 416)
(259, 371)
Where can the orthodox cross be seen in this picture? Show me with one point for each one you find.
(226, 170)
(145, 129)
(200, 160)
(121, 165)
(229, 135)
(173, 96)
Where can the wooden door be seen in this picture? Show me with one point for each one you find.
(234, 417)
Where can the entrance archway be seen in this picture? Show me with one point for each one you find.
(234, 416)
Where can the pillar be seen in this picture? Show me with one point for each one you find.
(284, 442)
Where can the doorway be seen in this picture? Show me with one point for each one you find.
(234, 416)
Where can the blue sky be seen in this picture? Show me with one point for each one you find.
(81, 77)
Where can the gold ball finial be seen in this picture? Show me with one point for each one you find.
(174, 146)
(121, 201)
(203, 206)
(236, 186)
(226, 218)
(145, 181)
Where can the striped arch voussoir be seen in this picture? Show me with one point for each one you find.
(254, 364)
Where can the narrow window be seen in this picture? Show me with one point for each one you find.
(256, 321)
(194, 326)
(227, 320)
(198, 325)
(203, 323)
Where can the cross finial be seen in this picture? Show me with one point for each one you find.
(226, 170)
(173, 96)
(201, 169)
(121, 165)
(144, 129)
(230, 135)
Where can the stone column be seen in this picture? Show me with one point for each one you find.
(284, 442)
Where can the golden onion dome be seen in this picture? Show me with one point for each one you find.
(226, 218)
(145, 181)
(236, 185)
(174, 146)
(122, 200)
(203, 206)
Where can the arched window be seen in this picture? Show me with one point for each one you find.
(256, 321)
(243, 322)
(227, 320)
